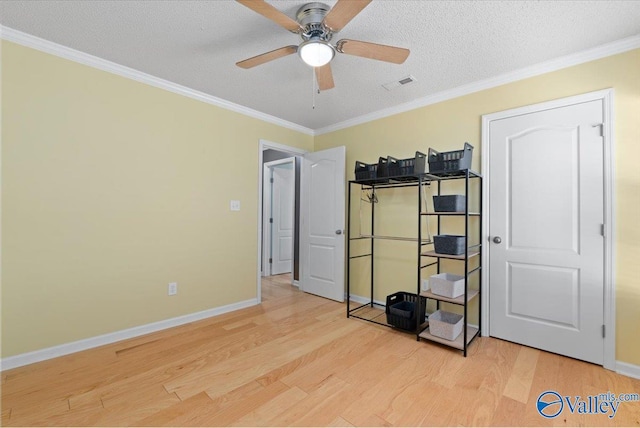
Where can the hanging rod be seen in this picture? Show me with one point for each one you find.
(393, 238)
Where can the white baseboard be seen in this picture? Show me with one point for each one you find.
(361, 299)
(105, 339)
(627, 369)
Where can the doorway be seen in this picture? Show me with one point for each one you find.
(318, 224)
(269, 151)
(548, 217)
(279, 216)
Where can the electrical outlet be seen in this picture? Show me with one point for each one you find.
(234, 205)
(425, 285)
(173, 288)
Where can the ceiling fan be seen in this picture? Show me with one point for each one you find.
(316, 23)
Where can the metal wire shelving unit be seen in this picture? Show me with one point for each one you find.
(374, 311)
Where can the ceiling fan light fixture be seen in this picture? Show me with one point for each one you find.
(316, 52)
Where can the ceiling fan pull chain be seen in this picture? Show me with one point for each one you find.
(313, 88)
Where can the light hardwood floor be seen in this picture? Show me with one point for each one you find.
(297, 360)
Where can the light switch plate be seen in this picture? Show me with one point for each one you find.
(234, 205)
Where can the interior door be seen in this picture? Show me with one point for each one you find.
(322, 223)
(546, 245)
(282, 215)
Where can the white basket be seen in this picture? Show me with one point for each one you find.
(445, 324)
(447, 284)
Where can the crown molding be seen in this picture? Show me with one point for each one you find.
(602, 51)
(61, 51)
(598, 52)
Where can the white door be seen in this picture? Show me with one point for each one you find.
(546, 246)
(283, 189)
(322, 223)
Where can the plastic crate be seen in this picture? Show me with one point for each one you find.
(449, 244)
(365, 171)
(448, 163)
(405, 169)
(371, 173)
(401, 310)
(383, 168)
(449, 203)
(447, 285)
(446, 325)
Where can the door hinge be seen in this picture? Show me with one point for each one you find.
(271, 180)
(600, 128)
(603, 334)
(602, 229)
(271, 220)
(270, 260)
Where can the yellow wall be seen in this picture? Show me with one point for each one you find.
(447, 125)
(111, 189)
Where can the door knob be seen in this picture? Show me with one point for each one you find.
(338, 232)
(497, 239)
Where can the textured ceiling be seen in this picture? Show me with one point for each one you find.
(197, 43)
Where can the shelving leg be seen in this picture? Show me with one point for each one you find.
(373, 206)
(419, 273)
(349, 250)
(466, 260)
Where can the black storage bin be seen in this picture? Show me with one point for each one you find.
(448, 163)
(371, 173)
(365, 171)
(449, 244)
(406, 169)
(449, 203)
(401, 310)
(383, 168)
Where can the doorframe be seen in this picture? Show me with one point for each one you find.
(267, 189)
(262, 146)
(609, 298)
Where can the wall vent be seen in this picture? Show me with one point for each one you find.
(397, 83)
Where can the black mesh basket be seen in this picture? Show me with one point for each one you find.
(450, 244)
(365, 171)
(449, 163)
(402, 310)
(406, 169)
(370, 173)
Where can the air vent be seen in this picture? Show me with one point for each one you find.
(397, 83)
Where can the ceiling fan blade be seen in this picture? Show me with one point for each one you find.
(324, 77)
(270, 12)
(373, 51)
(343, 12)
(267, 56)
